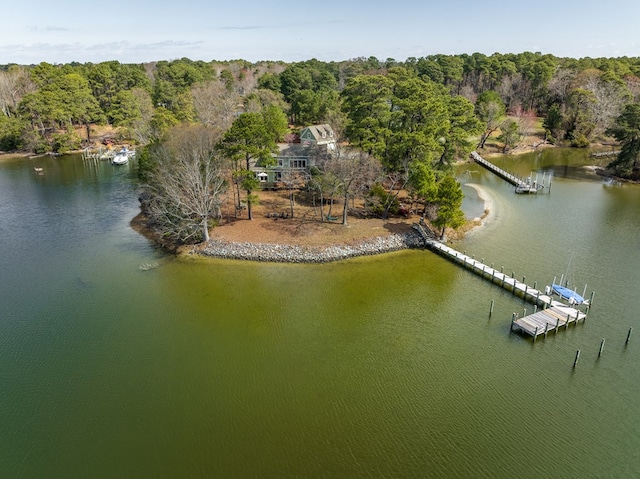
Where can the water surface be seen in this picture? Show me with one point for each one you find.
(388, 366)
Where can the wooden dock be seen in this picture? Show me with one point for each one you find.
(553, 314)
(522, 186)
(546, 320)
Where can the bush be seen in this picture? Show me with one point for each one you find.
(580, 141)
(379, 199)
(64, 142)
(10, 134)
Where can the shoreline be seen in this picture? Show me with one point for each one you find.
(284, 252)
(288, 253)
(488, 203)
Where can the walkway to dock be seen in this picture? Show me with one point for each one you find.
(522, 186)
(553, 314)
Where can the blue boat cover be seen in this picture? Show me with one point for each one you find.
(567, 294)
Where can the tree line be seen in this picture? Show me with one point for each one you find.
(404, 122)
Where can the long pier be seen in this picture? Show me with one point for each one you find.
(553, 315)
(521, 185)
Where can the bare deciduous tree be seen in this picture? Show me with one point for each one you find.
(526, 120)
(14, 84)
(215, 105)
(141, 127)
(186, 187)
(610, 98)
(354, 171)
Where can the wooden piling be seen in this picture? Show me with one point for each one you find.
(575, 361)
(628, 336)
(601, 347)
(535, 335)
(491, 308)
(591, 299)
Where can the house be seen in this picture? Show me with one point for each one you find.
(295, 159)
(318, 135)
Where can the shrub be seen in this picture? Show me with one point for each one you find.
(64, 142)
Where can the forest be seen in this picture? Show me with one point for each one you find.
(413, 118)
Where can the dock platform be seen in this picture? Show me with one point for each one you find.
(552, 315)
(546, 320)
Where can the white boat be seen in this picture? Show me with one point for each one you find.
(122, 157)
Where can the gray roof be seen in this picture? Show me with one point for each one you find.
(320, 132)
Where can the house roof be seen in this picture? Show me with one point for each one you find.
(294, 149)
(319, 132)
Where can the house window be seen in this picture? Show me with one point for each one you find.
(298, 163)
(278, 175)
(280, 163)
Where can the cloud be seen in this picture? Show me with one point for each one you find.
(49, 28)
(125, 52)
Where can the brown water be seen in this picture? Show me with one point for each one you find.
(387, 366)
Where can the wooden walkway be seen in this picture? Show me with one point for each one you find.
(521, 185)
(553, 314)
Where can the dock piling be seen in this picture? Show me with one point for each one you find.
(491, 308)
(628, 336)
(546, 328)
(601, 347)
(575, 361)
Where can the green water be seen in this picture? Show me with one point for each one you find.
(387, 366)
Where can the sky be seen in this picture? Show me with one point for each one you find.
(138, 31)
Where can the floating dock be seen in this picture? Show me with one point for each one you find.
(553, 314)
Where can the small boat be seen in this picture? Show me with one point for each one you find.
(121, 157)
(568, 294)
(526, 189)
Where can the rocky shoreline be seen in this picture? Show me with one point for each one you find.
(285, 253)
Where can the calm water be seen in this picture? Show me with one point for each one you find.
(375, 367)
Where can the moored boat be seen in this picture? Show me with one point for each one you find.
(568, 294)
(122, 156)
